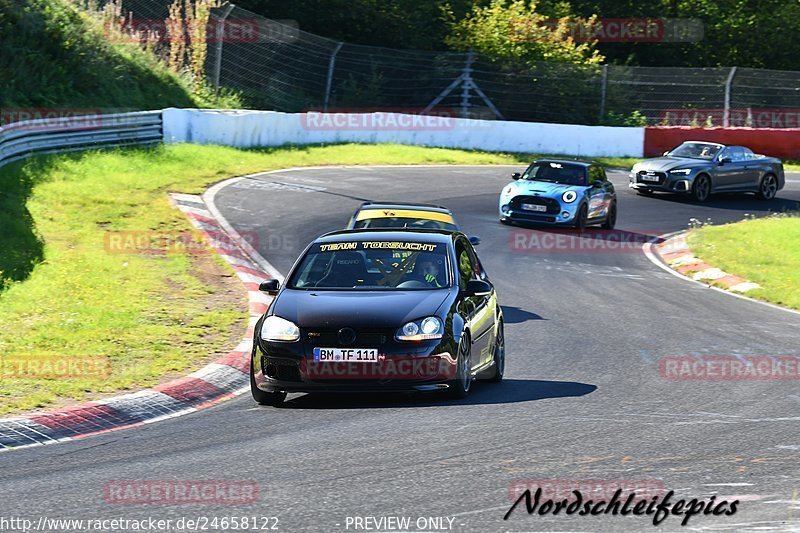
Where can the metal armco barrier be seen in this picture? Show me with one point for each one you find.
(66, 134)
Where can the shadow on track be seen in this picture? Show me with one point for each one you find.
(509, 391)
(515, 315)
(734, 201)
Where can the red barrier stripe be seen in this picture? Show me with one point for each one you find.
(775, 142)
(190, 391)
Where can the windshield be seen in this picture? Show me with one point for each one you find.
(696, 151)
(373, 265)
(553, 172)
(404, 222)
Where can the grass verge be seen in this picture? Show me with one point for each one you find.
(153, 316)
(765, 251)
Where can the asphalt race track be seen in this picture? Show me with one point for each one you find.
(583, 399)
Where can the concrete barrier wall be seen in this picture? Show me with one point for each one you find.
(246, 129)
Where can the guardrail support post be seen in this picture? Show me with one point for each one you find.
(329, 81)
(218, 53)
(726, 113)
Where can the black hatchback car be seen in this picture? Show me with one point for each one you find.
(379, 310)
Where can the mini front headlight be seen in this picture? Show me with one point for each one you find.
(410, 329)
(277, 329)
(569, 196)
(431, 325)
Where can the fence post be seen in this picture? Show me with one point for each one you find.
(329, 81)
(603, 89)
(467, 84)
(726, 113)
(218, 53)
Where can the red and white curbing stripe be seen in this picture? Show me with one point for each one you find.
(223, 379)
(675, 253)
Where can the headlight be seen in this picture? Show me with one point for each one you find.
(681, 171)
(277, 329)
(421, 330)
(569, 196)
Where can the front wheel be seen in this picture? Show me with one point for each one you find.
(499, 357)
(768, 188)
(611, 217)
(263, 397)
(701, 188)
(459, 387)
(581, 219)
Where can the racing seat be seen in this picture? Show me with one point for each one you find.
(347, 269)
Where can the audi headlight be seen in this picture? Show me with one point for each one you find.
(421, 330)
(569, 196)
(681, 171)
(277, 329)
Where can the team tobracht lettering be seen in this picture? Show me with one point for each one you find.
(660, 510)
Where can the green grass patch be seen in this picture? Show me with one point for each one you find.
(765, 251)
(152, 316)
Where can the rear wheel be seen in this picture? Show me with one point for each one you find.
(768, 187)
(263, 397)
(459, 387)
(499, 357)
(611, 218)
(701, 188)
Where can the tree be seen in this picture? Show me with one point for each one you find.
(516, 30)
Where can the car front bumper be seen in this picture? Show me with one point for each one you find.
(560, 213)
(667, 182)
(429, 367)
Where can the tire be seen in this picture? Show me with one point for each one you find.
(768, 187)
(261, 397)
(499, 357)
(701, 188)
(581, 218)
(611, 218)
(460, 387)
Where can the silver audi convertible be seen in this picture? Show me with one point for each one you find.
(700, 169)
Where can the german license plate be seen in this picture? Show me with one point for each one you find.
(646, 177)
(534, 207)
(349, 355)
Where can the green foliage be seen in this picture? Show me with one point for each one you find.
(635, 118)
(515, 29)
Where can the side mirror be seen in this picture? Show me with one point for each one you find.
(270, 286)
(666, 153)
(477, 287)
(597, 183)
(724, 160)
(515, 176)
(475, 240)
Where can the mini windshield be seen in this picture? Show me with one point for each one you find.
(555, 172)
(404, 222)
(373, 265)
(696, 151)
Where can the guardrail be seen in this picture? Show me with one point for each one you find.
(66, 134)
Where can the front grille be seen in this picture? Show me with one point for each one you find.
(281, 369)
(530, 216)
(662, 176)
(552, 205)
(365, 338)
